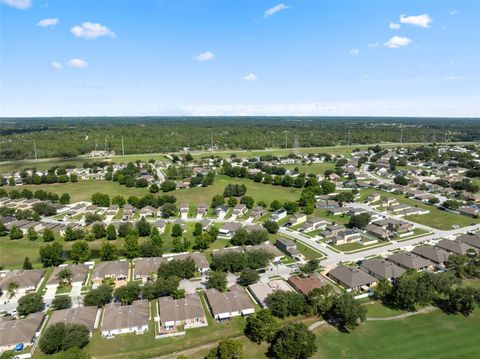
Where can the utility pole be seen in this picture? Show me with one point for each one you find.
(401, 135)
(35, 149)
(123, 148)
(211, 141)
(106, 145)
(286, 140)
(96, 145)
(348, 141)
(445, 136)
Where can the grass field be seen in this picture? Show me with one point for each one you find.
(314, 168)
(83, 190)
(436, 218)
(433, 335)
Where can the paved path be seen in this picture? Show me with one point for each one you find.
(423, 310)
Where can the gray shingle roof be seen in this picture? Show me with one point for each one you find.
(382, 269)
(351, 277)
(81, 315)
(189, 307)
(118, 316)
(409, 260)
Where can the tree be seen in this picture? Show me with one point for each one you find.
(62, 302)
(184, 269)
(293, 341)
(118, 200)
(108, 251)
(348, 311)
(15, 233)
(64, 276)
(143, 227)
(327, 187)
(463, 300)
(248, 276)
(80, 252)
(226, 349)
(64, 198)
(217, 280)
(382, 290)
(27, 264)
(131, 247)
(168, 186)
(248, 201)
(261, 326)
(111, 232)
(98, 297)
(32, 234)
(168, 210)
(232, 202)
(177, 230)
(30, 303)
(198, 229)
(98, 230)
(101, 199)
(283, 304)
(359, 220)
(48, 235)
(322, 299)
(51, 254)
(451, 204)
(310, 267)
(154, 188)
(401, 180)
(128, 293)
(217, 200)
(275, 205)
(271, 227)
(12, 288)
(61, 337)
(151, 248)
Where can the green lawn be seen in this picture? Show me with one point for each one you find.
(433, 335)
(12, 253)
(308, 252)
(83, 190)
(315, 168)
(436, 218)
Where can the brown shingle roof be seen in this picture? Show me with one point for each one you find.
(382, 269)
(306, 285)
(118, 316)
(13, 332)
(351, 277)
(409, 260)
(189, 307)
(24, 278)
(234, 300)
(79, 273)
(81, 315)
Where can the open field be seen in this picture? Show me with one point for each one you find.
(433, 335)
(49, 162)
(83, 190)
(314, 168)
(437, 218)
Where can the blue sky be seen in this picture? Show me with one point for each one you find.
(377, 58)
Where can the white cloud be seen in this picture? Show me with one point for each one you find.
(205, 56)
(250, 77)
(420, 20)
(354, 52)
(78, 63)
(397, 41)
(394, 26)
(454, 12)
(56, 65)
(274, 10)
(47, 22)
(374, 44)
(90, 30)
(19, 4)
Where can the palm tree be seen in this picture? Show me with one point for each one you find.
(12, 288)
(64, 276)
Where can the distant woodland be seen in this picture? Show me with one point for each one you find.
(70, 137)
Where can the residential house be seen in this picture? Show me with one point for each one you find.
(469, 211)
(313, 224)
(470, 239)
(296, 219)
(372, 198)
(437, 255)
(187, 312)
(455, 246)
(228, 229)
(184, 209)
(146, 268)
(339, 211)
(147, 211)
(267, 247)
(199, 258)
(289, 247)
(23, 332)
(348, 236)
(229, 304)
(239, 210)
(86, 316)
(260, 291)
(323, 203)
(27, 279)
(202, 210)
(206, 224)
(117, 271)
(305, 285)
(352, 278)
(257, 213)
(160, 225)
(332, 230)
(220, 211)
(382, 269)
(120, 319)
(409, 260)
(278, 215)
(79, 275)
